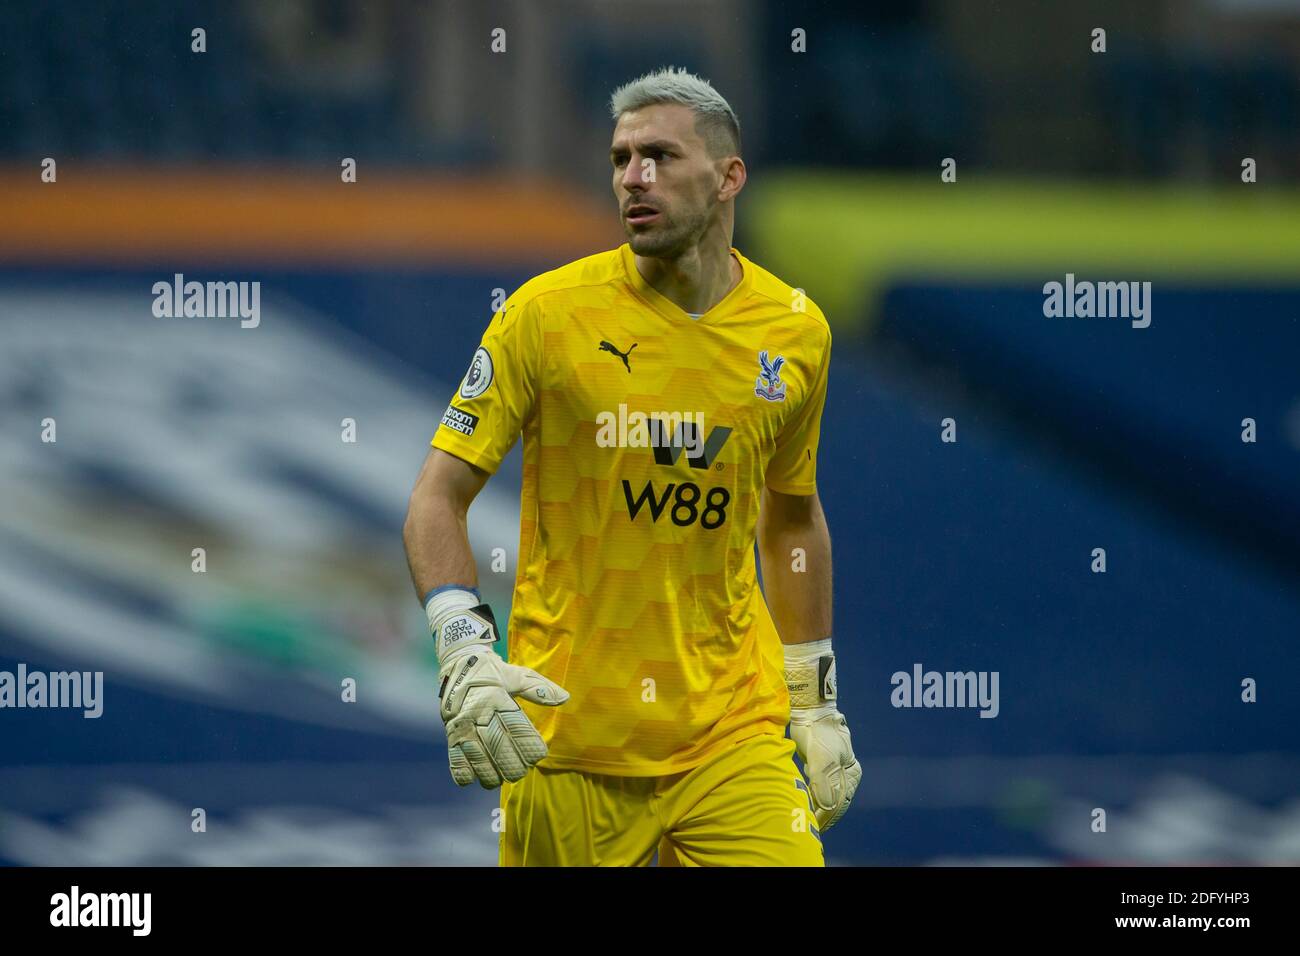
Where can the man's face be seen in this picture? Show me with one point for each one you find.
(664, 180)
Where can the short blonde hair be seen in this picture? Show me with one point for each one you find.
(715, 120)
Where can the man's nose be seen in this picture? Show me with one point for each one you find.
(632, 175)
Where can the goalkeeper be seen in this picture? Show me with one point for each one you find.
(643, 712)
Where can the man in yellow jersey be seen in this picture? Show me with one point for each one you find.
(669, 393)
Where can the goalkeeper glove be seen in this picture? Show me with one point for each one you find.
(819, 730)
(489, 738)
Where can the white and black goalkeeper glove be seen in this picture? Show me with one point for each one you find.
(489, 739)
(819, 731)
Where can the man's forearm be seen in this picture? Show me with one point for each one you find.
(798, 589)
(797, 584)
(436, 536)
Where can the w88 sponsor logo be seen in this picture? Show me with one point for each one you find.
(686, 508)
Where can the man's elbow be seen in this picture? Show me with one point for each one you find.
(780, 512)
(411, 524)
(421, 511)
(432, 505)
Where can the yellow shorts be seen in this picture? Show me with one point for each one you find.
(746, 806)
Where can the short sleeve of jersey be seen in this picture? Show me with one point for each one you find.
(499, 391)
(792, 469)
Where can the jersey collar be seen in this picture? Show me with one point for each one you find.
(670, 309)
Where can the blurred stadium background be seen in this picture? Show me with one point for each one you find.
(476, 170)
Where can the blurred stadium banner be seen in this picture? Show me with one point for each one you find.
(851, 236)
(257, 216)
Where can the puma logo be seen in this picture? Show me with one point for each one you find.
(609, 347)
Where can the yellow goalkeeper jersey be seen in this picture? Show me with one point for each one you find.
(648, 438)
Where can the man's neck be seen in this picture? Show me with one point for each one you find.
(695, 282)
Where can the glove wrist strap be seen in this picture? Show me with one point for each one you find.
(810, 675)
(458, 619)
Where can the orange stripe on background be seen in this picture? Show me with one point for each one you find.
(255, 215)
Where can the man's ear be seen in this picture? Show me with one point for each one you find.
(734, 176)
